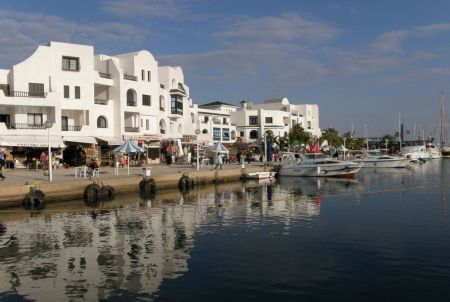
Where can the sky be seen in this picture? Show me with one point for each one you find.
(361, 61)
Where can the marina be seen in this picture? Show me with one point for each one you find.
(295, 238)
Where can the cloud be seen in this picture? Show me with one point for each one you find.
(23, 32)
(286, 28)
(147, 8)
(393, 41)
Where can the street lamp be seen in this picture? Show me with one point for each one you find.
(197, 132)
(265, 146)
(48, 125)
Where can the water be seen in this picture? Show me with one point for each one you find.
(383, 237)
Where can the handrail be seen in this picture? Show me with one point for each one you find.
(27, 94)
(129, 77)
(104, 75)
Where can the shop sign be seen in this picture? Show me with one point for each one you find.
(188, 138)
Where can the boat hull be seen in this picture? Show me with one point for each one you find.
(345, 171)
(389, 163)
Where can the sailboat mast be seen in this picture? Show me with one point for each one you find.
(399, 130)
(442, 132)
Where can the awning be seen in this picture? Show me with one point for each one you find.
(80, 139)
(112, 141)
(35, 141)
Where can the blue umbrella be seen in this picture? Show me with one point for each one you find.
(128, 147)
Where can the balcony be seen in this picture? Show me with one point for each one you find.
(26, 94)
(24, 126)
(100, 102)
(131, 129)
(104, 75)
(130, 77)
(71, 128)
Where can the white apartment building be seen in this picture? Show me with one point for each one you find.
(92, 99)
(215, 123)
(275, 117)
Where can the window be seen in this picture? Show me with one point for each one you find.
(34, 119)
(143, 74)
(253, 134)
(224, 121)
(102, 122)
(309, 124)
(162, 105)
(226, 134)
(269, 120)
(64, 123)
(131, 98)
(146, 100)
(149, 75)
(241, 134)
(216, 134)
(36, 90)
(70, 63)
(253, 120)
(77, 92)
(162, 127)
(66, 92)
(206, 119)
(147, 125)
(177, 104)
(205, 131)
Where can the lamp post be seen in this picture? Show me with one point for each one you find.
(197, 131)
(265, 146)
(48, 125)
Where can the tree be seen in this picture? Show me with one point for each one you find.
(331, 135)
(298, 136)
(281, 141)
(389, 139)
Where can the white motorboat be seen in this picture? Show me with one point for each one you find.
(434, 151)
(377, 159)
(318, 165)
(260, 175)
(416, 153)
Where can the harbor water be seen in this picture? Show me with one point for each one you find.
(384, 236)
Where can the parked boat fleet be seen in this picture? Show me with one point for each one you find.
(320, 165)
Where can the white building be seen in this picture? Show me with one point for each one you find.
(275, 117)
(91, 99)
(215, 123)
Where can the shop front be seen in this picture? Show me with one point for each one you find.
(106, 146)
(80, 150)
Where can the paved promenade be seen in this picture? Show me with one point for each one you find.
(20, 176)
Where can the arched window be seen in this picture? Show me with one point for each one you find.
(162, 103)
(102, 122)
(253, 134)
(162, 127)
(205, 131)
(131, 98)
(233, 134)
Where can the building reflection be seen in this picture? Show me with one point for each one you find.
(130, 246)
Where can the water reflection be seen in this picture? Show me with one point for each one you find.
(128, 248)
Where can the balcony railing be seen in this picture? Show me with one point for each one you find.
(24, 126)
(217, 122)
(131, 129)
(71, 128)
(27, 94)
(100, 102)
(104, 75)
(129, 77)
(233, 124)
(132, 103)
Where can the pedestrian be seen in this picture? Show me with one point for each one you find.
(249, 159)
(238, 157)
(219, 161)
(2, 164)
(43, 159)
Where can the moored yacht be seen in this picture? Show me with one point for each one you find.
(417, 153)
(377, 159)
(434, 151)
(318, 165)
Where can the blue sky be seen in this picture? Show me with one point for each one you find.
(359, 60)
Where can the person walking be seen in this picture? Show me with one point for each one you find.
(219, 161)
(238, 157)
(2, 164)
